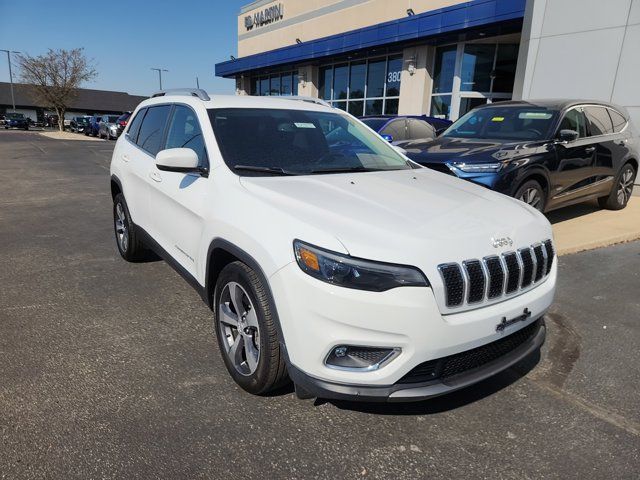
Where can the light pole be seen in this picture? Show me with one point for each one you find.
(160, 70)
(9, 52)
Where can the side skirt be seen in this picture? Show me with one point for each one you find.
(150, 243)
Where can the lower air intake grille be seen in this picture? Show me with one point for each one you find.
(465, 362)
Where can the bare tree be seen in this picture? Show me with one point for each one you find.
(53, 78)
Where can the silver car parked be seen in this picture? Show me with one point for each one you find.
(108, 127)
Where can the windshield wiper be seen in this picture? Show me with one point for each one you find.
(359, 168)
(256, 168)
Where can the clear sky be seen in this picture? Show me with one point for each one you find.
(126, 38)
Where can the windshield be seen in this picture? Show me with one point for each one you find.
(261, 141)
(15, 116)
(504, 123)
(375, 123)
(113, 118)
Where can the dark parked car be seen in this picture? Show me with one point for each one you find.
(122, 122)
(78, 124)
(94, 126)
(16, 120)
(398, 129)
(547, 153)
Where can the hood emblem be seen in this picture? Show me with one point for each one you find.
(501, 242)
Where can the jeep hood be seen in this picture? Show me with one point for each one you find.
(416, 217)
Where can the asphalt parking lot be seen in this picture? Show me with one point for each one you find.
(110, 370)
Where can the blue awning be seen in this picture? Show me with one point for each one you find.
(477, 13)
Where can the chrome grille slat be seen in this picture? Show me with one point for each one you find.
(475, 281)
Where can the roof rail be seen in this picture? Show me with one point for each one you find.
(302, 98)
(193, 92)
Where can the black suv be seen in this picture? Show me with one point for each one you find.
(547, 153)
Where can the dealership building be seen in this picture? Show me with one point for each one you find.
(438, 57)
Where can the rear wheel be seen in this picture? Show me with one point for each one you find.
(532, 193)
(246, 331)
(621, 191)
(129, 245)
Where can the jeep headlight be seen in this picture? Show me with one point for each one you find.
(349, 272)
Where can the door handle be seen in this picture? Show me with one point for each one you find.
(125, 157)
(155, 176)
(590, 149)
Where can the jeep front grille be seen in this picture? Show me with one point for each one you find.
(496, 276)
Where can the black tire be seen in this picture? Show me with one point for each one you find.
(621, 190)
(537, 200)
(270, 372)
(132, 250)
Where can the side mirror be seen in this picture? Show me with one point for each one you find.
(388, 138)
(183, 160)
(567, 135)
(400, 150)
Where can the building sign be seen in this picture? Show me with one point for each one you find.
(263, 17)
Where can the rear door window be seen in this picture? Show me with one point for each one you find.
(152, 128)
(134, 126)
(618, 120)
(574, 120)
(599, 121)
(396, 129)
(185, 132)
(419, 129)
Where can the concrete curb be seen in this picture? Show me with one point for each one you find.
(586, 227)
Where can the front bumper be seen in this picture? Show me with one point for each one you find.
(407, 392)
(316, 317)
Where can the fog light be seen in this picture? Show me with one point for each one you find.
(349, 357)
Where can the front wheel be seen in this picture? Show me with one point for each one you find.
(246, 331)
(532, 193)
(621, 191)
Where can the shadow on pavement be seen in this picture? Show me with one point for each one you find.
(574, 211)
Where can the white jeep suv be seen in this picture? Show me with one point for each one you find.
(327, 256)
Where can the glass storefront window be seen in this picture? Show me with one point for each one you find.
(505, 71)
(394, 70)
(325, 80)
(264, 86)
(375, 79)
(441, 106)
(373, 107)
(275, 85)
(356, 80)
(470, 74)
(477, 65)
(340, 82)
(285, 85)
(356, 108)
(444, 69)
(363, 87)
(280, 84)
(391, 106)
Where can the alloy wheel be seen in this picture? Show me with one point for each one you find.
(531, 196)
(238, 328)
(122, 231)
(625, 186)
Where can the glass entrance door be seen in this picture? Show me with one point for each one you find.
(467, 75)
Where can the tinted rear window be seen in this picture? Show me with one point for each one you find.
(599, 120)
(618, 120)
(134, 125)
